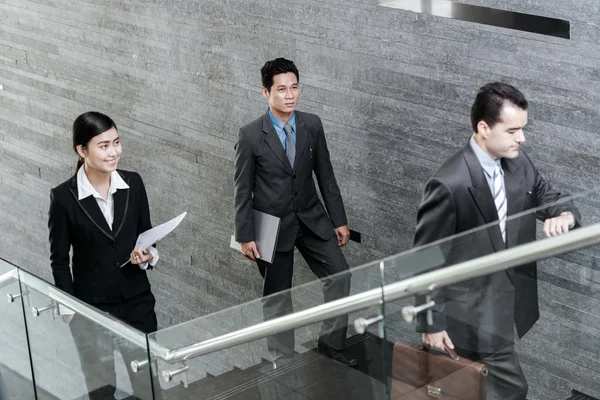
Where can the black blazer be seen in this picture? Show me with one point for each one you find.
(98, 251)
(264, 180)
(478, 314)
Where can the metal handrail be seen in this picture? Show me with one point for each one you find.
(424, 283)
(8, 277)
(103, 319)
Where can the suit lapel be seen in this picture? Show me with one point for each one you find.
(121, 199)
(274, 142)
(482, 195)
(515, 197)
(90, 208)
(301, 139)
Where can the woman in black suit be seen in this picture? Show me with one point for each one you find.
(99, 213)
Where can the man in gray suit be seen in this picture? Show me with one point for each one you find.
(276, 156)
(487, 181)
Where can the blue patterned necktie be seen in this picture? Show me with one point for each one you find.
(290, 148)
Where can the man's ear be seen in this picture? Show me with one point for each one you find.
(483, 129)
(265, 93)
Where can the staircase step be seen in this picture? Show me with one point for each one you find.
(575, 395)
(20, 387)
(207, 388)
(309, 376)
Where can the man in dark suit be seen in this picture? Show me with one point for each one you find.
(485, 182)
(275, 158)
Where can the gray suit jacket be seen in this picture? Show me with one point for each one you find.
(478, 314)
(265, 181)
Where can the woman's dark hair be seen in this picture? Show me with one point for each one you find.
(276, 67)
(86, 126)
(490, 100)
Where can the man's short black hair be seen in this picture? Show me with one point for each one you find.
(489, 101)
(276, 67)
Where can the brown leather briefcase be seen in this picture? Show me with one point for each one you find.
(422, 374)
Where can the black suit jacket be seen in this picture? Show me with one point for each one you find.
(98, 251)
(478, 314)
(265, 181)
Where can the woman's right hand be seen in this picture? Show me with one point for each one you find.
(139, 256)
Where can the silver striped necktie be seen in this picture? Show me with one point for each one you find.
(290, 148)
(500, 201)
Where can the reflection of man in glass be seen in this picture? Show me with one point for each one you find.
(487, 181)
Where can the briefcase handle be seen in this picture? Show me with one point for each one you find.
(448, 351)
(451, 353)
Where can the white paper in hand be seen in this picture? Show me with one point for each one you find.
(155, 234)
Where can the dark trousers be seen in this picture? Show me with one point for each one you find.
(505, 379)
(325, 258)
(95, 347)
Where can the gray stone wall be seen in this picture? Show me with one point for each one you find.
(393, 89)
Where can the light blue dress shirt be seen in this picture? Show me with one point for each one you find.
(278, 125)
(488, 164)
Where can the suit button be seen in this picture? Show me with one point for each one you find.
(117, 264)
(114, 245)
(297, 210)
(295, 193)
(294, 176)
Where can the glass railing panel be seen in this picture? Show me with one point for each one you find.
(533, 329)
(81, 351)
(16, 379)
(290, 361)
(433, 251)
(248, 371)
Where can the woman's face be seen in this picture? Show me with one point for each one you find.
(103, 151)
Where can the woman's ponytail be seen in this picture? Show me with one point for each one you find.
(80, 162)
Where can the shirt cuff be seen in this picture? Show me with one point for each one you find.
(570, 213)
(154, 260)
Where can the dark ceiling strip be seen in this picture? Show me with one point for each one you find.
(484, 15)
